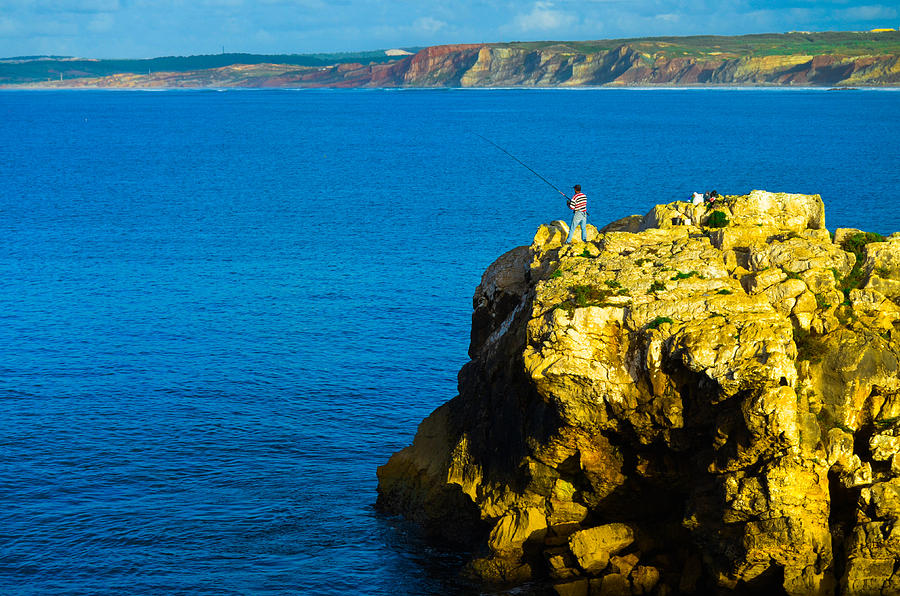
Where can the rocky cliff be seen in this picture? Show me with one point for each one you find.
(630, 65)
(793, 59)
(673, 407)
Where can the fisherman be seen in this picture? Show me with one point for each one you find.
(578, 204)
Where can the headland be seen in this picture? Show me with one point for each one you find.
(701, 399)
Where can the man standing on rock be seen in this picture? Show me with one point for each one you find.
(578, 204)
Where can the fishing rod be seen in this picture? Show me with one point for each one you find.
(521, 162)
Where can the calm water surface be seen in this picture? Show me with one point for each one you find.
(221, 311)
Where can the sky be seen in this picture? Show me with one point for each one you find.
(152, 28)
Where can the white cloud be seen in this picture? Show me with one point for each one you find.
(869, 13)
(138, 28)
(58, 6)
(9, 27)
(543, 17)
(101, 22)
(264, 37)
(428, 25)
(54, 28)
(308, 4)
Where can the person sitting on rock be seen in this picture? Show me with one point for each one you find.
(578, 204)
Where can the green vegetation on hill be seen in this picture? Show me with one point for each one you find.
(840, 43)
(35, 68)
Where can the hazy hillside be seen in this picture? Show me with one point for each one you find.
(25, 69)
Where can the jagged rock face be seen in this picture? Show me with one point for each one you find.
(490, 65)
(438, 66)
(672, 408)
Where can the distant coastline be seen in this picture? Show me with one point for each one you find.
(584, 89)
(787, 60)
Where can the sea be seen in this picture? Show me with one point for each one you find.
(222, 310)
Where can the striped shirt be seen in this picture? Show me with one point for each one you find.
(578, 202)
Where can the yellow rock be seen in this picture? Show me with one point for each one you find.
(706, 390)
(592, 547)
(762, 280)
(758, 65)
(516, 527)
(615, 584)
(644, 579)
(623, 564)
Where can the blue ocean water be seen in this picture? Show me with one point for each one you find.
(221, 311)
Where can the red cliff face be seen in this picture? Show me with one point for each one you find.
(438, 65)
(486, 65)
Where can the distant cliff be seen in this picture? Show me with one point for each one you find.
(695, 401)
(791, 59)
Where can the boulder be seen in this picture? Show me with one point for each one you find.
(784, 211)
(841, 234)
(644, 579)
(632, 224)
(592, 547)
(615, 584)
(882, 263)
(560, 563)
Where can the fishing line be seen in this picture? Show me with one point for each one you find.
(522, 163)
